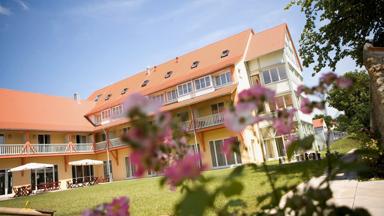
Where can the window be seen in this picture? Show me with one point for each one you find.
(267, 77)
(105, 167)
(281, 102)
(106, 114)
(44, 176)
(2, 140)
(172, 96)
(255, 79)
(159, 98)
(225, 53)
(203, 83)
(126, 129)
(107, 97)
(195, 64)
(81, 139)
(183, 116)
(144, 83)
(219, 159)
(97, 119)
(82, 173)
(274, 74)
(184, 89)
(124, 91)
(130, 168)
(97, 97)
(223, 79)
(117, 110)
(168, 74)
(217, 108)
(43, 139)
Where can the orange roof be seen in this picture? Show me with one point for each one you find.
(318, 123)
(30, 111)
(209, 58)
(269, 41)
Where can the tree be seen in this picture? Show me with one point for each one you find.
(353, 101)
(335, 29)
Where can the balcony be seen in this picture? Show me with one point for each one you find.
(204, 122)
(49, 149)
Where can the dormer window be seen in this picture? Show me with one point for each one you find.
(168, 74)
(97, 98)
(124, 91)
(107, 97)
(225, 53)
(195, 64)
(144, 83)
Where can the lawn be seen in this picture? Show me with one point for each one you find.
(148, 198)
(345, 144)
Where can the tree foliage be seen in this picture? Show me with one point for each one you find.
(335, 29)
(353, 101)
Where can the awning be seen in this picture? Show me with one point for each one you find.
(30, 166)
(85, 162)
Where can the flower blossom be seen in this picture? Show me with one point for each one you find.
(306, 106)
(186, 168)
(118, 207)
(284, 123)
(328, 78)
(343, 82)
(239, 118)
(138, 101)
(230, 145)
(257, 95)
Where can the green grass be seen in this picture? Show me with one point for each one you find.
(148, 198)
(345, 144)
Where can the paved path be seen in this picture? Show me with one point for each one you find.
(352, 193)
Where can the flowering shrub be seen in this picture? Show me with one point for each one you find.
(118, 207)
(158, 144)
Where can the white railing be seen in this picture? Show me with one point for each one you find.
(204, 122)
(13, 149)
(101, 145)
(116, 142)
(83, 147)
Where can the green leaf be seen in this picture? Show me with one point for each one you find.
(233, 188)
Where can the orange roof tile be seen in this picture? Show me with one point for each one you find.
(318, 123)
(30, 111)
(209, 58)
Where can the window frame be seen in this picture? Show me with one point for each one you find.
(271, 78)
(171, 93)
(202, 80)
(182, 88)
(227, 76)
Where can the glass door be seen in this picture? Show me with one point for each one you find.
(130, 169)
(2, 141)
(219, 159)
(43, 139)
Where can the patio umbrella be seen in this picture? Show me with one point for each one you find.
(30, 166)
(85, 162)
(33, 166)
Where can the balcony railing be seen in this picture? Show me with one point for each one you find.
(204, 122)
(41, 149)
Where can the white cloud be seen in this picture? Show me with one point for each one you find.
(4, 11)
(22, 4)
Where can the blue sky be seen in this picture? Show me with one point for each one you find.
(62, 47)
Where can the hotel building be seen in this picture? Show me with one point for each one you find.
(195, 87)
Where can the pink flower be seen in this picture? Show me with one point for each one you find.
(328, 78)
(343, 82)
(257, 94)
(142, 103)
(303, 89)
(230, 145)
(183, 169)
(306, 106)
(240, 118)
(118, 207)
(284, 123)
